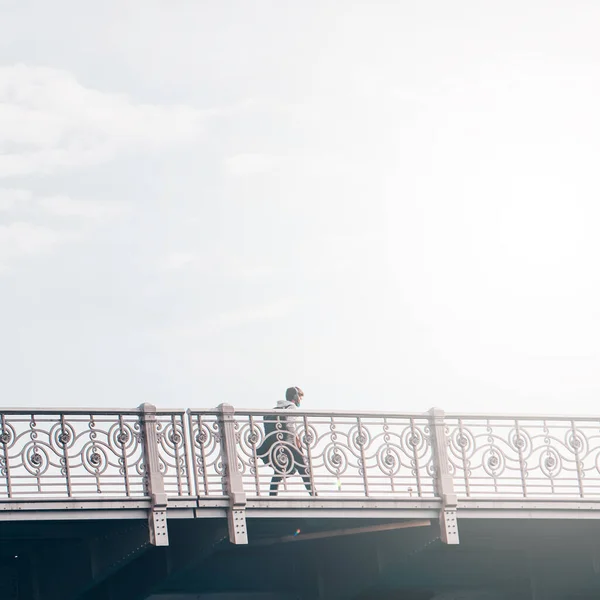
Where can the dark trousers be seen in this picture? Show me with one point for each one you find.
(298, 466)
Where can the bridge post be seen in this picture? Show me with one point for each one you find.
(236, 517)
(444, 483)
(155, 485)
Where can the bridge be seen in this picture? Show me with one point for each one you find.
(149, 503)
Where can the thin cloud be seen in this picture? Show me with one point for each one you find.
(253, 314)
(14, 199)
(34, 225)
(64, 206)
(232, 319)
(16, 202)
(50, 121)
(27, 239)
(241, 165)
(175, 261)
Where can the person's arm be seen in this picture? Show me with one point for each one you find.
(291, 426)
(296, 435)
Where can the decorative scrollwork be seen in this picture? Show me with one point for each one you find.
(62, 437)
(388, 460)
(63, 455)
(308, 436)
(281, 458)
(173, 456)
(576, 442)
(531, 458)
(207, 462)
(415, 439)
(550, 463)
(359, 438)
(520, 442)
(462, 444)
(123, 439)
(95, 459)
(493, 462)
(35, 459)
(335, 459)
(7, 436)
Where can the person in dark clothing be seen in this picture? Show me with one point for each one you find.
(281, 448)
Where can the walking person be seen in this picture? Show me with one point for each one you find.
(281, 448)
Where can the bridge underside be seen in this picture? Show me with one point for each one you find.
(300, 558)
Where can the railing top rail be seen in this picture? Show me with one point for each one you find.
(85, 411)
(315, 413)
(521, 417)
(405, 415)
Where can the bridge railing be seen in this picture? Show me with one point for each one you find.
(70, 454)
(504, 457)
(346, 455)
(77, 453)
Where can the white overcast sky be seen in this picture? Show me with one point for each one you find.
(394, 205)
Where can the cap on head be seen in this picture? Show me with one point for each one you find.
(294, 394)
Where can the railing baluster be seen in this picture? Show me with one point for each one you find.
(64, 442)
(549, 456)
(122, 439)
(93, 435)
(253, 439)
(202, 456)
(5, 439)
(520, 444)
(186, 449)
(193, 439)
(34, 458)
(175, 441)
(414, 442)
(361, 442)
(575, 443)
(463, 440)
(308, 443)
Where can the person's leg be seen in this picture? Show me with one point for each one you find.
(282, 462)
(300, 467)
(274, 487)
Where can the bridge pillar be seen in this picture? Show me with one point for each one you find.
(234, 488)
(443, 477)
(157, 519)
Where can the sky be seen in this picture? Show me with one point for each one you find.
(393, 205)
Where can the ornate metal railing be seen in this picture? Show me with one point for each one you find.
(226, 454)
(346, 455)
(70, 454)
(525, 457)
(78, 454)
